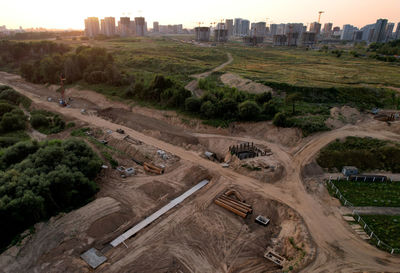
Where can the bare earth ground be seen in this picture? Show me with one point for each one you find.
(243, 84)
(198, 236)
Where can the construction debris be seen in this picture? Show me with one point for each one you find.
(262, 220)
(236, 205)
(274, 257)
(247, 150)
(153, 169)
(133, 141)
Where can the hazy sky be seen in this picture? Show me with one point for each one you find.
(71, 13)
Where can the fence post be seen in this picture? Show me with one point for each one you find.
(379, 242)
(372, 233)
(392, 251)
(345, 202)
(359, 217)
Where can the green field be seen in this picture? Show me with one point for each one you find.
(311, 68)
(386, 227)
(379, 194)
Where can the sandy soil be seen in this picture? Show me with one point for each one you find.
(243, 84)
(340, 116)
(337, 247)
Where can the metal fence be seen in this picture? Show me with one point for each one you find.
(372, 237)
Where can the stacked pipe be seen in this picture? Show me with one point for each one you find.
(236, 206)
(153, 169)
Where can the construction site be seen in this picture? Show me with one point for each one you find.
(194, 198)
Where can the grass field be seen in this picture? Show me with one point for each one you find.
(380, 194)
(386, 227)
(311, 68)
(150, 55)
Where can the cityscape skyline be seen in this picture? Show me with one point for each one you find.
(174, 12)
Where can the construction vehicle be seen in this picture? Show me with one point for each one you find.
(235, 205)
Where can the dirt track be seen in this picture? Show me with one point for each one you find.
(339, 249)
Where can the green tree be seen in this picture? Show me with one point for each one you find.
(292, 99)
(208, 109)
(249, 110)
(192, 104)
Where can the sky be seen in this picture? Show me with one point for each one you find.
(71, 13)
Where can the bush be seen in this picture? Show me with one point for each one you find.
(38, 120)
(263, 98)
(192, 104)
(13, 121)
(269, 110)
(208, 109)
(249, 110)
(280, 120)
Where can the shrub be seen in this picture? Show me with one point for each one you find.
(249, 110)
(280, 120)
(269, 110)
(192, 104)
(13, 121)
(263, 98)
(39, 120)
(208, 109)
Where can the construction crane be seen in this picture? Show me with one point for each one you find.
(62, 90)
(319, 17)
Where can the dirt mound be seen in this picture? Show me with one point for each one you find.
(59, 239)
(148, 125)
(242, 84)
(266, 168)
(107, 224)
(312, 169)
(341, 116)
(98, 99)
(267, 131)
(157, 190)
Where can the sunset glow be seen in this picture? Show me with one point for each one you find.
(70, 14)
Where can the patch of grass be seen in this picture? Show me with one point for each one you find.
(47, 122)
(70, 125)
(110, 159)
(379, 194)
(251, 168)
(386, 227)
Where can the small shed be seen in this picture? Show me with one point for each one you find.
(349, 170)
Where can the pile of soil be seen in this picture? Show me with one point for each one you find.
(242, 84)
(341, 116)
(148, 125)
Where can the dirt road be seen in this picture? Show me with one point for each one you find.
(339, 249)
(193, 86)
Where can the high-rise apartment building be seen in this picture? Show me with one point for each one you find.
(315, 27)
(140, 26)
(156, 27)
(380, 31)
(125, 26)
(348, 33)
(389, 31)
(237, 28)
(109, 26)
(368, 32)
(245, 27)
(102, 27)
(327, 28)
(258, 29)
(229, 26)
(397, 34)
(92, 27)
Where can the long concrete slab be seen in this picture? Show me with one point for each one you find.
(157, 214)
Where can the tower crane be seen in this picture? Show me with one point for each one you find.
(319, 17)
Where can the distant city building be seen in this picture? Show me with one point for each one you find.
(336, 29)
(279, 40)
(397, 35)
(327, 30)
(156, 27)
(258, 29)
(92, 27)
(202, 34)
(380, 31)
(358, 35)
(229, 26)
(368, 32)
(389, 31)
(125, 26)
(308, 38)
(109, 24)
(245, 27)
(221, 35)
(315, 27)
(348, 32)
(102, 27)
(237, 28)
(140, 26)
